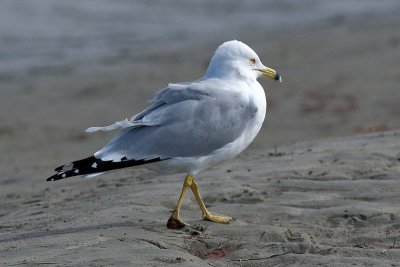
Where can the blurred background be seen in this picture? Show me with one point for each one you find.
(69, 65)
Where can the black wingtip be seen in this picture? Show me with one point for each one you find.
(92, 165)
(56, 177)
(59, 168)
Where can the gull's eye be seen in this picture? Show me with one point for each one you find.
(253, 61)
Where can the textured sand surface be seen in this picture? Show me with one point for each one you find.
(329, 202)
(66, 66)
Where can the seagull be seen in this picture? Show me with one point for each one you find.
(189, 127)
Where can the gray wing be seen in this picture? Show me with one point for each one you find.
(182, 121)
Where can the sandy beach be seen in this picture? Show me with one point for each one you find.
(329, 203)
(319, 185)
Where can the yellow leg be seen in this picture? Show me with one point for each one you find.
(175, 222)
(206, 214)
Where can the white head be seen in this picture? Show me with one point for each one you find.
(236, 59)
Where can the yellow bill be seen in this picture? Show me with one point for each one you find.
(271, 73)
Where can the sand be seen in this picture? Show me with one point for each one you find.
(312, 200)
(330, 202)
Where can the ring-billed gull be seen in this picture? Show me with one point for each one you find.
(189, 126)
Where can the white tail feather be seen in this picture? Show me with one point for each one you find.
(118, 125)
(88, 176)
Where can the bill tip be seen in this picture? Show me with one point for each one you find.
(278, 77)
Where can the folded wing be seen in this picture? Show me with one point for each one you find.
(182, 121)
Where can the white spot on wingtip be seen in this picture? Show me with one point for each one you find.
(63, 175)
(94, 165)
(52, 179)
(76, 171)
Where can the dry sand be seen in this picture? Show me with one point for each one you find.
(332, 202)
